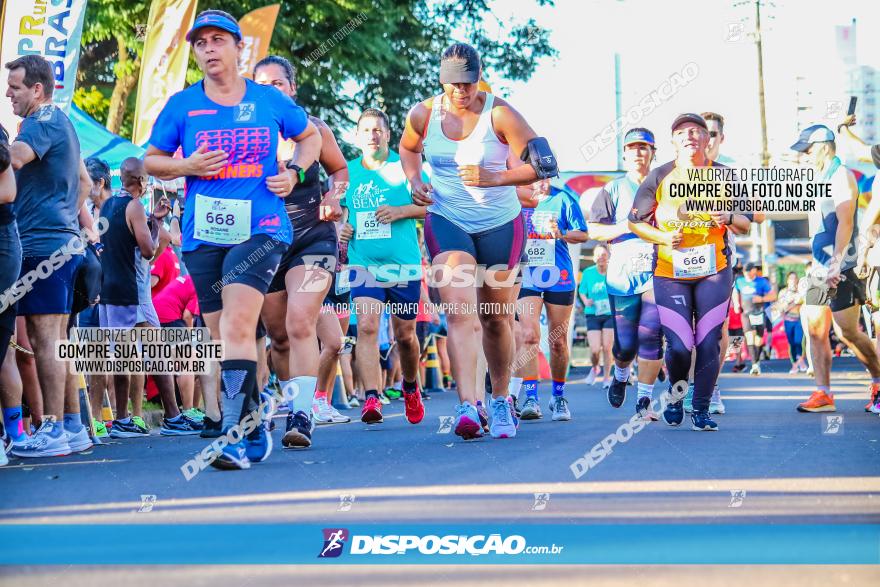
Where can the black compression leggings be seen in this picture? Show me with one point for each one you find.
(692, 313)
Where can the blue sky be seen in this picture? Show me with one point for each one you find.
(570, 99)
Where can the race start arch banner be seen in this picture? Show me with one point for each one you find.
(49, 28)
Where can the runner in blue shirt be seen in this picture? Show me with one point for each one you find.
(630, 277)
(752, 293)
(548, 282)
(236, 228)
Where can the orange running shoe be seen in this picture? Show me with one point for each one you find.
(874, 389)
(818, 402)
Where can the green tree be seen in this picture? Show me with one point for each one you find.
(386, 50)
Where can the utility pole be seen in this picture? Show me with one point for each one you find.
(765, 155)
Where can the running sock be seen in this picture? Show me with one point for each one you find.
(756, 354)
(399, 385)
(371, 393)
(716, 394)
(13, 422)
(320, 395)
(287, 391)
(302, 401)
(558, 388)
(514, 385)
(237, 379)
(621, 373)
(826, 389)
(645, 390)
(57, 429)
(72, 423)
(409, 386)
(530, 386)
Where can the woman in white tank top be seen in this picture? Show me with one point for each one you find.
(474, 222)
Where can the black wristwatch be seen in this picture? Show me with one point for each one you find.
(300, 172)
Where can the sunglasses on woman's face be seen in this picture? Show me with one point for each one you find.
(713, 134)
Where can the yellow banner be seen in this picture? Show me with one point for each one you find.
(256, 33)
(164, 60)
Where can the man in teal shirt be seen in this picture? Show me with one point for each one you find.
(600, 322)
(385, 261)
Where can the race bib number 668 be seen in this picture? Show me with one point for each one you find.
(223, 221)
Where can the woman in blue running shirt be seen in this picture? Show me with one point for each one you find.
(235, 229)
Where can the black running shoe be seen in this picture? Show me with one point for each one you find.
(516, 409)
(183, 426)
(674, 413)
(738, 368)
(210, 428)
(299, 431)
(617, 393)
(702, 421)
(643, 409)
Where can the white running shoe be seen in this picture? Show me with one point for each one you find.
(559, 409)
(44, 443)
(590, 379)
(79, 441)
(324, 413)
(607, 383)
(755, 370)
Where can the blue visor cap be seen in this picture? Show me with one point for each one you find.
(638, 136)
(215, 20)
(818, 133)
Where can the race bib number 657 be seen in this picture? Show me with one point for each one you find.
(369, 228)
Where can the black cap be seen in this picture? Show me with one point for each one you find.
(689, 117)
(750, 266)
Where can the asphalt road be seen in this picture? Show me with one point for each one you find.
(768, 464)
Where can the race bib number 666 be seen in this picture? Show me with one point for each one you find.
(694, 261)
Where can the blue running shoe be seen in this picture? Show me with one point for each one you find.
(689, 399)
(259, 447)
(232, 457)
(467, 422)
(502, 425)
(268, 408)
(674, 413)
(703, 421)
